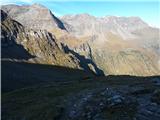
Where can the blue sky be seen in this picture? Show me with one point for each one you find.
(148, 10)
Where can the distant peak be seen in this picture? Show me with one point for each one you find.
(110, 16)
(37, 5)
(85, 14)
(135, 18)
(82, 15)
(125, 17)
(129, 18)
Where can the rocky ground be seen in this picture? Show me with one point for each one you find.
(101, 98)
(46, 78)
(124, 103)
(114, 45)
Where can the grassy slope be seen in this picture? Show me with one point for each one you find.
(43, 101)
(18, 74)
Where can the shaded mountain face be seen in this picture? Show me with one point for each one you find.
(117, 45)
(41, 76)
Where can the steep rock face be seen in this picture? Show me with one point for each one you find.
(101, 29)
(118, 45)
(84, 24)
(35, 16)
(41, 45)
(121, 61)
(119, 57)
(99, 40)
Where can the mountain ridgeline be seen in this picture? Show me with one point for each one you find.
(77, 67)
(103, 46)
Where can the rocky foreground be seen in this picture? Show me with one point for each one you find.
(125, 103)
(107, 98)
(53, 68)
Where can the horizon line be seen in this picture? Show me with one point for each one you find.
(72, 14)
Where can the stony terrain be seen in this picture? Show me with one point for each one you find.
(40, 46)
(116, 45)
(101, 98)
(126, 45)
(54, 68)
(21, 13)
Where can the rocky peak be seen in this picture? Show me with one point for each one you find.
(34, 16)
(18, 42)
(78, 16)
(39, 6)
(128, 23)
(85, 24)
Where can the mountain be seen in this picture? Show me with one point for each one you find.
(35, 16)
(131, 29)
(40, 44)
(85, 24)
(54, 68)
(44, 44)
(116, 45)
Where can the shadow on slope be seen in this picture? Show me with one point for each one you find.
(130, 77)
(47, 102)
(9, 32)
(84, 62)
(14, 51)
(19, 74)
(59, 23)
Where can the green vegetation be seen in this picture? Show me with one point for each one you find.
(44, 100)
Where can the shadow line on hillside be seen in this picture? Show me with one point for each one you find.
(84, 62)
(14, 51)
(59, 23)
(9, 48)
(15, 75)
(131, 77)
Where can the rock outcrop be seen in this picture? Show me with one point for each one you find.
(40, 44)
(129, 102)
(35, 16)
(116, 45)
(90, 105)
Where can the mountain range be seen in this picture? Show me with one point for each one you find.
(107, 45)
(77, 67)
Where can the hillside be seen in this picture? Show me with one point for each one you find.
(115, 45)
(101, 98)
(77, 67)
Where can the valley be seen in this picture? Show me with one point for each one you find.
(77, 67)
